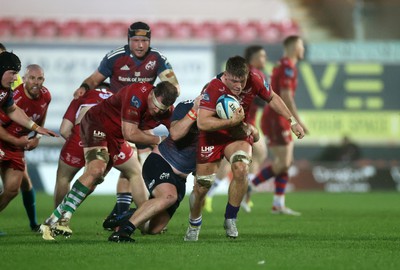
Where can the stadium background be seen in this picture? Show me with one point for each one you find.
(348, 81)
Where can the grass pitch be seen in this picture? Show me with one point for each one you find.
(336, 231)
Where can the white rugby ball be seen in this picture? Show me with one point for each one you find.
(226, 106)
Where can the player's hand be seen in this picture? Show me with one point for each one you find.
(47, 132)
(32, 144)
(79, 92)
(298, 130)
(306, 131)
(197, 102)
(238, 117)
(21, 141)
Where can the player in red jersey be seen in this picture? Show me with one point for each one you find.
(256, 58)
(33, 98)
(134, 62)
(71, 155)
(276, 128)
(230, 138)
(104, 129)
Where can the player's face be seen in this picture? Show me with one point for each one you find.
(8, 78)
(235, 84)
(260, 60)
(300, 49)
(155, 105)
(33, 82)
(139, 46)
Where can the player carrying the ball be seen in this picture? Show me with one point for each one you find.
(230, 138)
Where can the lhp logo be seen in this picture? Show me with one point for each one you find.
(99, 134)
(206, 151)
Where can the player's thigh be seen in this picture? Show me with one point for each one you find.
(207, 168)
(260, 150)
(166, 191)
(65, 172)
(223, 169)
(283, 154)
(236, 147)
(12, 179)
(130, 168)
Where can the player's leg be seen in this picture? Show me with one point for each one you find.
(205, 175)
(65, 174)
(239, 155)
(12, 181)
(222, 174)
(283, 158)
(29, 200)
(97, 159)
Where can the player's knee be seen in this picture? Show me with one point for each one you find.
(205, 181)
(97, 154)
(170, 199)
(240, 161)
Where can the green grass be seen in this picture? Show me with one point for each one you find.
(336, 231)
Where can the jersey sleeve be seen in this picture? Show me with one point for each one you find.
(106, 65)
(264, 88)
(133, 106)
(181, 110)
(163, 63)
(210, 96)
(287, 77)
(70, 113)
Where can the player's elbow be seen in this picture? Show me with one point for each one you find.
(175, 134)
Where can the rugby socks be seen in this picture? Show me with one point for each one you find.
(196, 222)
(231, 211)
(264, 175)
(29, 201)
(124, 201)
(127, 228)
(72, 200)
(280, 186)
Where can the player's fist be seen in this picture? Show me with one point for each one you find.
(237, 117)
(79, 92)
(298, 130)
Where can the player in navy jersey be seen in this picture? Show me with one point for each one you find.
(165, 172)
(134, 62)
(229, 138)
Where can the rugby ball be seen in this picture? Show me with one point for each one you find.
(226, 106)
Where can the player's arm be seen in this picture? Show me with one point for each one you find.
(287, 97)
(132, 133)
(18, 115)
(89, 83)
(9, 138)
(179, 128)
(280, 107)
(34, 141)
(66, 128)
(207, 121)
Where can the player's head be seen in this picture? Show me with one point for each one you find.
(139, 34)
(256, 56)
(33, 80)
(10, 65)
(236, 73)
(162, 97)
(2, 48)
(294, 47)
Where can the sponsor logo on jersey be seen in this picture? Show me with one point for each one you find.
(135, 102)
(2, 95)
(151, 65)
(152, 183)
(164, 176)
(289, 72)
(143, 89)
(206, 151)
(105, 95)
(206, 97)
(137, 73)
(124, 67)
(99, 134)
